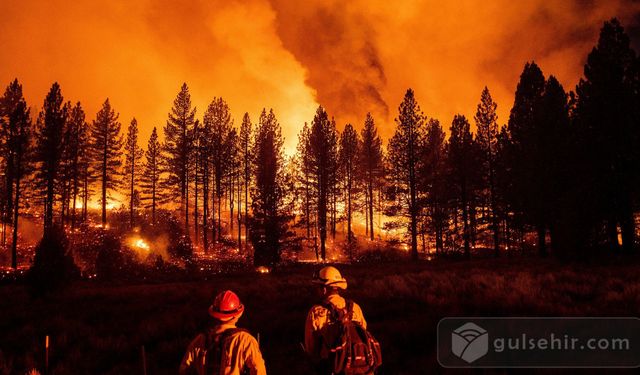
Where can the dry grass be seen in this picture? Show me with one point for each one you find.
(99, 329)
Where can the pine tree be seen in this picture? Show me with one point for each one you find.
(49, 147)
(487, 137)
(371, 159)
(404, 154)
(150, 179)
(233, 171)
(75, 154)
(8, 105)
(204, 157)
(463, 167)
(177, 149)
(432, 178)
(268, 224)
(246, 134)
(606, 115)
(106, 149)
(218, 118)
(322, 154)
(349, 152)
(305, 177)
(16, 147)
(132, 166)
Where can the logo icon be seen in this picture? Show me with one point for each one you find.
(469, 342)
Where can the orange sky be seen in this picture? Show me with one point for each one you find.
(351, 56)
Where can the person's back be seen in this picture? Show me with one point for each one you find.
(224, 349)
(336, 337)
(320, 325)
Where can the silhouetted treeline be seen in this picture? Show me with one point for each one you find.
(564, 169)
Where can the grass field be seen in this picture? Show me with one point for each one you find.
(100, 328)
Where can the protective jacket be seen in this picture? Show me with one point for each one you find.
(242, 353)
(316, 334)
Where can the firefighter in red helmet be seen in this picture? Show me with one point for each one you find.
(224, 349)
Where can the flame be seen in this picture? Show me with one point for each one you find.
(263, 270)
(141, 244)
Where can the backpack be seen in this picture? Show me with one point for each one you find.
(355, 351)
(217, 355)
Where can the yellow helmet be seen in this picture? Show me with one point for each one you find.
(330, 276)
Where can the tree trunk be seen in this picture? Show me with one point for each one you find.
(371, 207)
(195, 203)
(465, 221)
(131, 192)
(104, 188)
(186, 204)
(349, 238)
(16, 209)
(205, 207)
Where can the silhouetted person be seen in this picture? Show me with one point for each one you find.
(224, 349)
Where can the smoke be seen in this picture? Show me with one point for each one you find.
(139, 53)
(362, 55)
(351, 56)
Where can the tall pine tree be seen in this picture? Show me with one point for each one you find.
(405, 157)
(106, 149)
(177, 149)
(322, 156)
(49, 148)
(487, 136)
(132, 167)
(150, 179)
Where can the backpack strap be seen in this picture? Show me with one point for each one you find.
(349, 309)
(220, 339)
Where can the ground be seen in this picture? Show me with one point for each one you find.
(100, 328)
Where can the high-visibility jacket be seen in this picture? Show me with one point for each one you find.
(316, 336)
(243, 351)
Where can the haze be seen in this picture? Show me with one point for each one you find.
(352, 57)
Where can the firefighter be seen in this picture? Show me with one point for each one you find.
(318, 330)
(224, 348)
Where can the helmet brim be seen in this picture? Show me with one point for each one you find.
(342, 284)
(226, 315)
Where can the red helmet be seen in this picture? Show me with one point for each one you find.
(226, 306)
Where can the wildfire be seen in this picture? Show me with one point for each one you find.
(141, 244)
(262, 270)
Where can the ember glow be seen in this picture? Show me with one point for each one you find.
(352, 57)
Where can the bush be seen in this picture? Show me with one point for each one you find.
(112, 260)
(53, 266)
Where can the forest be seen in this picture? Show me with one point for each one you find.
(112, 246)
(559, 177)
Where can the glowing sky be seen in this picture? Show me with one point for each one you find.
(352, 56)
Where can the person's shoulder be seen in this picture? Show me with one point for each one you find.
(242, 334)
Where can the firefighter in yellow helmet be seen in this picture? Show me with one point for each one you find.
(224, 349)
(317, 333)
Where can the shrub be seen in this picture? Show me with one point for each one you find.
(53, 266)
